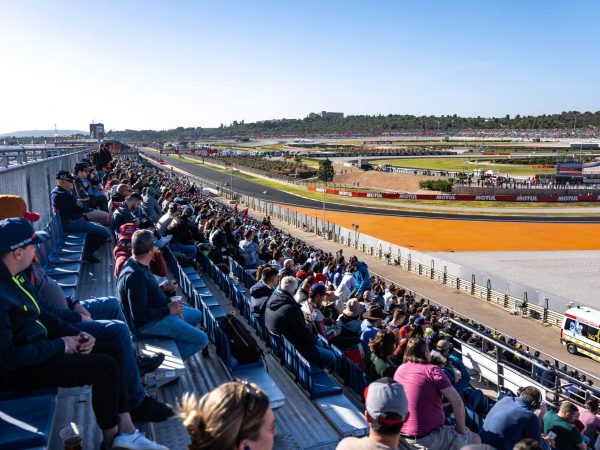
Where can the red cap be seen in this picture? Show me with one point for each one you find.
(126, 231)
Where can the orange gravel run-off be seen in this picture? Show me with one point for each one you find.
(467, 235)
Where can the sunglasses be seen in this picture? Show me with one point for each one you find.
(250, 401)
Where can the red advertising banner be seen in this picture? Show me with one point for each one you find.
(461, 197)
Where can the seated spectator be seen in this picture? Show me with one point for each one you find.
(568, 436)
(122, 191)
(386, 410)
(150, 205)
(527, 444)
(173, 211)
(425, 385)
(38, 350)
(83, 190)
(249, 250)
(284, 317)
(150, 310)
(454, 368)
(288, 269)
(380, 362)
(261, 292)
(181, 230)
(74, 217)
(371, 324)
(512, 419)
(234, 416)
(122, 252)
(350, 319)
(588, 416)
(125, 213)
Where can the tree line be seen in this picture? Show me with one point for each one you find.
(451, 124)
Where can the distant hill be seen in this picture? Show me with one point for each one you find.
(41, 133)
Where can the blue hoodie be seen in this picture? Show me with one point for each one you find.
(363, 280)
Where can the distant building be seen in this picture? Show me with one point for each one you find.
(332, 115)
(97, 130)
(326, 115)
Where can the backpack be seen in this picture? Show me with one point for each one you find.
(244, 347)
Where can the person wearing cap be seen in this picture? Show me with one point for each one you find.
(284, 317)
(39, 350)
(425, 386)
(350, 319)
(386, 410)
(73, 216)
(455, 370)
(84, 190)
(122, 252)
(371, 324)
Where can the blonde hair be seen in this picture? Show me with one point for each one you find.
(224, 417)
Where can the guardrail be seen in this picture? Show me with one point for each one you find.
(19, 156)
(514, 304)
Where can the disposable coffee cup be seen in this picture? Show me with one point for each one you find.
(176, 298)
(71, 437)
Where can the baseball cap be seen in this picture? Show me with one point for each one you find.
(17, 233)
(318, 289)
(386, 396)
(64, 175)
(126, 230)
(14, 206)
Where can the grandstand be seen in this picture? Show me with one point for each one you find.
(314, 407)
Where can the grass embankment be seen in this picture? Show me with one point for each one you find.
(464, 164)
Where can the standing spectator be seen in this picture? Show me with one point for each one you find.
(348, 281)
(568, 436)
(284, 317)
(512, 419)
(386, 410)
(363, 279)
(425, 385)
(149, 308)
(73, 217)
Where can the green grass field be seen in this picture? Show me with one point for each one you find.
(464, 164)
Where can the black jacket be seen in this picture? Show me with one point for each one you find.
(283, 316)
(29, 334)
(259, 296)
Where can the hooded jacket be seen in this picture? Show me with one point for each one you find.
(259, 296)
(363, 280)
(151, 207)
(29, 335)
(284, 316)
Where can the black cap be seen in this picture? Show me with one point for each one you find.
(64, 175)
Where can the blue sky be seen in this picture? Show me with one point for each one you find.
(151, 64)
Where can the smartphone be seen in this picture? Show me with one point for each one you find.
(551, 435)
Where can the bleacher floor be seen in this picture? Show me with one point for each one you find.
(300, 425)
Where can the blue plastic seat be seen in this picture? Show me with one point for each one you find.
(26, 419)
(66, 280)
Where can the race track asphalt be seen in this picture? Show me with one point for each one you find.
(278, 196)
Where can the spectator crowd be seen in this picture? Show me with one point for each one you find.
(420, 394)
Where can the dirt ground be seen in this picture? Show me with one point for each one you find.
(464, 235)
(372, 179)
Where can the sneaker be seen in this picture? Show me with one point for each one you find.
(148, 364)
(135, 441)
(151, 410)
(89, 257)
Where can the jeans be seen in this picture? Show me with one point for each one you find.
(326, 356)
(188, 250)
(189, 339)
(109, 326)
(95, 234)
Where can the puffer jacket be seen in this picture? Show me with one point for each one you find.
(284, 316)
(363, 279)
(151, 207)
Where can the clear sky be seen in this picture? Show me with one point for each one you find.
(163, 64)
